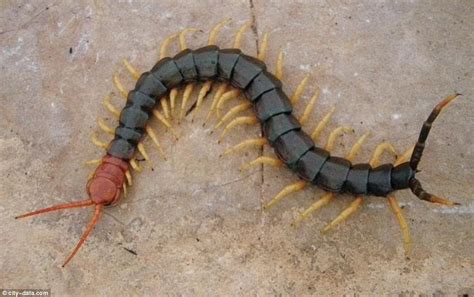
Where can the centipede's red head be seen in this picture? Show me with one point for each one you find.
(106, 185)
(104, 188)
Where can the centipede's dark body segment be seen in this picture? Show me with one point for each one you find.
(282, 130)
(272, 107)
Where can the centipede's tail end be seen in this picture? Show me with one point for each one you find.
(414, 183)
(425, 130)
(418, 190)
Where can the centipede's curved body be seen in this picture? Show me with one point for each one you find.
(273, 109)
(282, 130)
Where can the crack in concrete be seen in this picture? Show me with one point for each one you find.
(254, 23)
(257, 45)
(229, 182)
(31, 21)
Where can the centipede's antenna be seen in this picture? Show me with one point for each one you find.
(76, 204)
(90, 227)
(415, 184)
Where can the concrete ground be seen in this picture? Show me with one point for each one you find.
(195, 222)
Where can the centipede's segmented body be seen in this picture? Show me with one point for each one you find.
(273, 109)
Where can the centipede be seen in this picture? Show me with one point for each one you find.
(236, 75)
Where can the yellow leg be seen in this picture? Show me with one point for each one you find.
(407, 242)
(356, 147)
(97, 142)
(206, 87)
(132, 70)
(135, 165)
(322, 124)
(142, 150)
(346, 213)
(109, 106)
(309, 108)
(120, 86)
(238, 36)
(296, 187)
(182, 37)
(166, 44)
(224, 99)
(213, 35)
(165, 107)
(299, 90)
(104, 127)
(173, 97)
(338, 132)
(124, 187)
(161, 118)
(257, 142)
(279, 66)
(263, 47)
(233, 111)
(404, 157)
(324, 200)
(251, 120)
(187, 93)
(165, 122)
(220, 91)
(262, 161)
(154, 138)
(93, 162)
(379, 150)
(128, 175)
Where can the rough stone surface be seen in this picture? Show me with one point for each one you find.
(195, 221)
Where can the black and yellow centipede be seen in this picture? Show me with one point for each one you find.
(236, 73)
